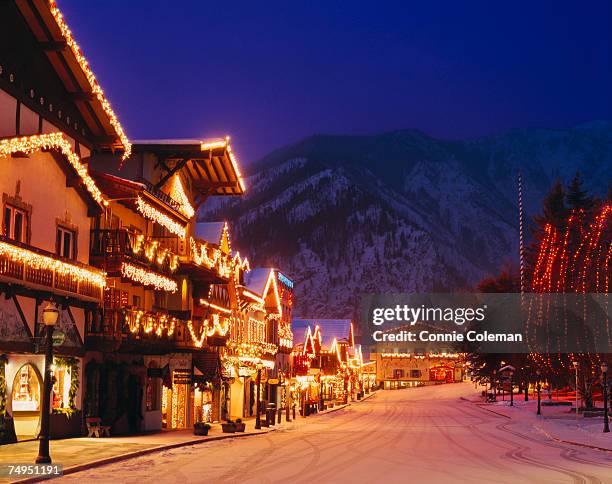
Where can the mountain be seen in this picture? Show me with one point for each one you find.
(400, 211)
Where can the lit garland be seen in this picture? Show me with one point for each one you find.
(150, 322)
(214, 306)
(95, 87)
(254, 349)
(152, 251)
(29, 144)
(235, 165)
(148, 278)
(218, 261)
(162, 219)
(177, 192)
(37, 261)
(207, 330)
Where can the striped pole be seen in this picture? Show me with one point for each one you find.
(521, 238)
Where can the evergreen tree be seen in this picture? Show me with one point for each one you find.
(610, 192)
(578, 198)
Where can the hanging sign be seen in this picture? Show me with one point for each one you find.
(58, 338)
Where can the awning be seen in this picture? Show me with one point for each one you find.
(208, 366)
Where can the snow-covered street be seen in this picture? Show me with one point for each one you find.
(414, 435)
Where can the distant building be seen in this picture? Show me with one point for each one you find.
(401, 370)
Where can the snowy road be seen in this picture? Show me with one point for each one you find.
(423, 435)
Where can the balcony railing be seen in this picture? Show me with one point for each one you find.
(160, 195)
(109, 248)
(38, 267)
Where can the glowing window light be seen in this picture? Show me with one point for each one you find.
(38, 261)
(29, 144)
(93, 82)
(148, 278)
(162, 219)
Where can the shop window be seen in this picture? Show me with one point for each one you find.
(62, 376)
(398, 373)
(26, 390)
(16, 224)
(415, 373)
(65, 243)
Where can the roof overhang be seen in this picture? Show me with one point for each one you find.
(210, 165)
(55, 40)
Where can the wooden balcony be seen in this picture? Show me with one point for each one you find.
(110, 248)
(203, 263)
(42, 270)
(134, 330)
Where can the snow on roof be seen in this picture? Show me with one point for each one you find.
(202, 143)
(255, 280)
(167, 141)
(210, 231)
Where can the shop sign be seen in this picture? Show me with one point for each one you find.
(182, 377)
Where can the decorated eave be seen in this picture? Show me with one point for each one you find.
(54, 40)
(77, 174)
(141, 198)
(210, 165)
(211, 258)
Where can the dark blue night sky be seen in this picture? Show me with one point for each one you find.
(271, 73)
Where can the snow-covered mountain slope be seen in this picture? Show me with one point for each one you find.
(400, 211)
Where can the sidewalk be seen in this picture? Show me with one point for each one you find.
(82, 453)
(557, 423)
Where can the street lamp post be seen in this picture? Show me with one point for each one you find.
(50, 315)
(539, 408)
(257, 413)
(511, 388)
(494, 384)
(604, 372)
(575, 363)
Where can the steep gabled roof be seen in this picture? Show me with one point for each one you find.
(54, 53)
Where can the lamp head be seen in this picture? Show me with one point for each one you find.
(538, 372)
(50, 315)
(575, 363)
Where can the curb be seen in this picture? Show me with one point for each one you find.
(579, 444)
(139, 453)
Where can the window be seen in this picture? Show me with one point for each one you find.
(136, 301)
(398, 373)
(415, 373)
(160, 300)
(15, 224)
(65, 243)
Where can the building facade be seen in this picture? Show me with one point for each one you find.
(53, 116)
